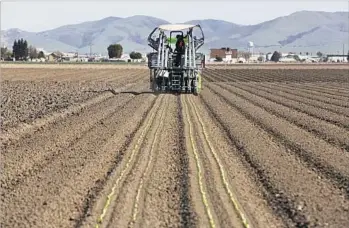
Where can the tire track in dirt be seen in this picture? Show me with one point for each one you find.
(299, 197)
(331, 133)
(57, 194)
(319, 155)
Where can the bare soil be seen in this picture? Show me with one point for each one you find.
(86, 145)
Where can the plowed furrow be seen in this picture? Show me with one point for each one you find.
(339, 91)
(322, 114)
(294, 191)
(337, 87)
(130, 200)
(276, 198)
(244, 77)
(213, 162)
(48, 101)
(327, 98)
(317, 153)
(294, 96)
(110, 197)
(13, 134)
(212, 185)
(199, 190)
(83, 76)
(234, 171)
(166, 199)
(55, 140)
(188, 216)
(57, 193)
(142, 190)
(96, 190)
(215, 202)
(326, 131)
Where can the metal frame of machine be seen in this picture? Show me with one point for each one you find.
(168, 72)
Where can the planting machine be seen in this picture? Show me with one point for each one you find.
(175, 65)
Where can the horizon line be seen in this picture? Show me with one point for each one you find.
(16, 28)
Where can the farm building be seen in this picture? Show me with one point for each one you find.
(227, 54)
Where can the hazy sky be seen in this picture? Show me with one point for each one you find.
(37, 16)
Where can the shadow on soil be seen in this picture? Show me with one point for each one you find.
(131, 92)
(119, 92)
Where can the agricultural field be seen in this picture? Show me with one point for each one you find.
(86, 146)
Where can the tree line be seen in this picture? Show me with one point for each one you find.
(116, 50)
(21, 51)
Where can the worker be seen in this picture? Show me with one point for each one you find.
(180, 49)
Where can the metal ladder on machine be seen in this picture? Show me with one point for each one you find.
(176, 81)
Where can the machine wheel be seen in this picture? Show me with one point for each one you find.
(196, 91)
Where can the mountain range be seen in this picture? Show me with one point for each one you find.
(302, 31)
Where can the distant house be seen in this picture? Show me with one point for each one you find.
(227, 54)
(55, 56)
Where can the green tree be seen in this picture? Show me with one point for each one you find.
(3, 52)
(135, 55)
(20, 49)
(275, 57)
(319, 54)
(15, 50)
(41, 55)
(115, 50)
(33, 54)
(25, 49)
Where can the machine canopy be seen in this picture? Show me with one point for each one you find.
(175, 27)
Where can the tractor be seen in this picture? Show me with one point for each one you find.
(175, 65)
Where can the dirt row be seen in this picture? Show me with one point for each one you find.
(43, 74)
(304, 178)
(280, 75)
(27, 99)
